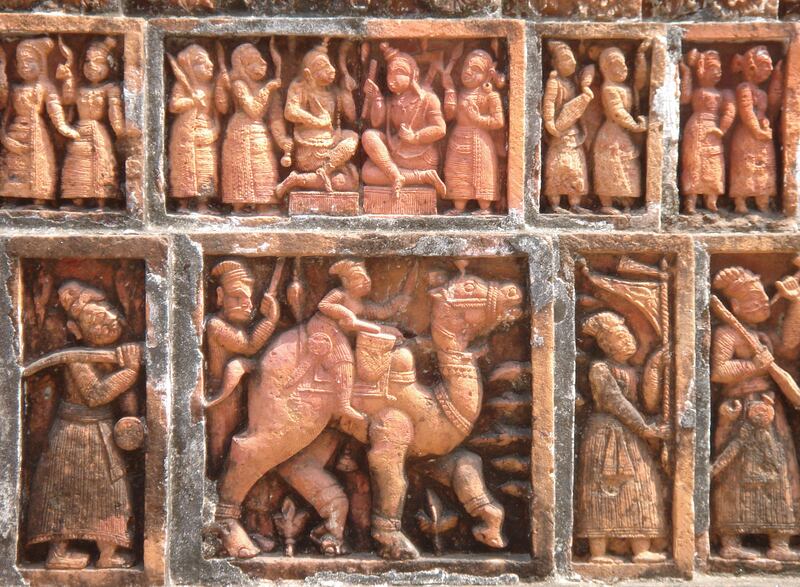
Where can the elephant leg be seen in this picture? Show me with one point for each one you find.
(306, 473)
(253, 454)
(463, 471)
(390, 434)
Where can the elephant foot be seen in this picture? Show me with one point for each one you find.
(392, 543)
(235, 540)
(490, 529)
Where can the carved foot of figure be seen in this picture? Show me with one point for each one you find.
(560, 210)
(61, 557)
(610, 211)
(649, 557)
(490, 530)
(112, 557)
(738, 552)
(349, 411)
(430, 176)
(322, 172)
(606, 559)
(235, 540)
(779, 550)
(287, 184)
(392, 543)
(579, 210)
(265, 543)
(482, 212)
(740, 206)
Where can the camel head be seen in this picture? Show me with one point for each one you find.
(466, 307)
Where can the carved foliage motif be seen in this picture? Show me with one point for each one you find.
(375, 405)
(83, 326)
(594, 113)
(625, 410)
(421, 125)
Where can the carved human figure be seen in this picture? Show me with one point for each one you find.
(197, 100)
(323, 150)
(755, 474)
(90, 165)
(713, 113)
(230, 341)
(407, 152)
(249, 163)
(471, 166)
(754, 172)
(299, 389)
(342, 313)
(619, 485)
(617, 166)
(565, 171)
(28, 168)
(80, 490)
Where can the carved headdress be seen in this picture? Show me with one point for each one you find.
(735, 281)
(238, 58)
(41, 47)
(315, 53)
(74, 295)
(186, 57)
(348, 267)
(231, 272)
(745, 62)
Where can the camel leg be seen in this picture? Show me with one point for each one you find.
(463, 471)
(390, 434)
(306, 473)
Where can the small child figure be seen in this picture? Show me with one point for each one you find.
(340, 315)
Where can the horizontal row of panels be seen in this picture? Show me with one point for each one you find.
(218, 408)
(493, 124)
(533, 9)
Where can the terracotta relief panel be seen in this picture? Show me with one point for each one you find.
(339, 126)
(83, 332)
(732, 99)
(632, 476)
(368, 405)
(72, 130)
(600, 148)
(754, 393)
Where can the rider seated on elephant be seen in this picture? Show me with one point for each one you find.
(340, 314)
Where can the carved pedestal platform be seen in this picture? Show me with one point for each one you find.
(330, 203)
(411, 201)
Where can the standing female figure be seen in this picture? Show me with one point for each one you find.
(565, 170)
(617, 168)
(90, 166)
(249, 164)
(197, 101)
(471, 170)
(713, 112)
(754, 172)
(28, 168)
(619, 486)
